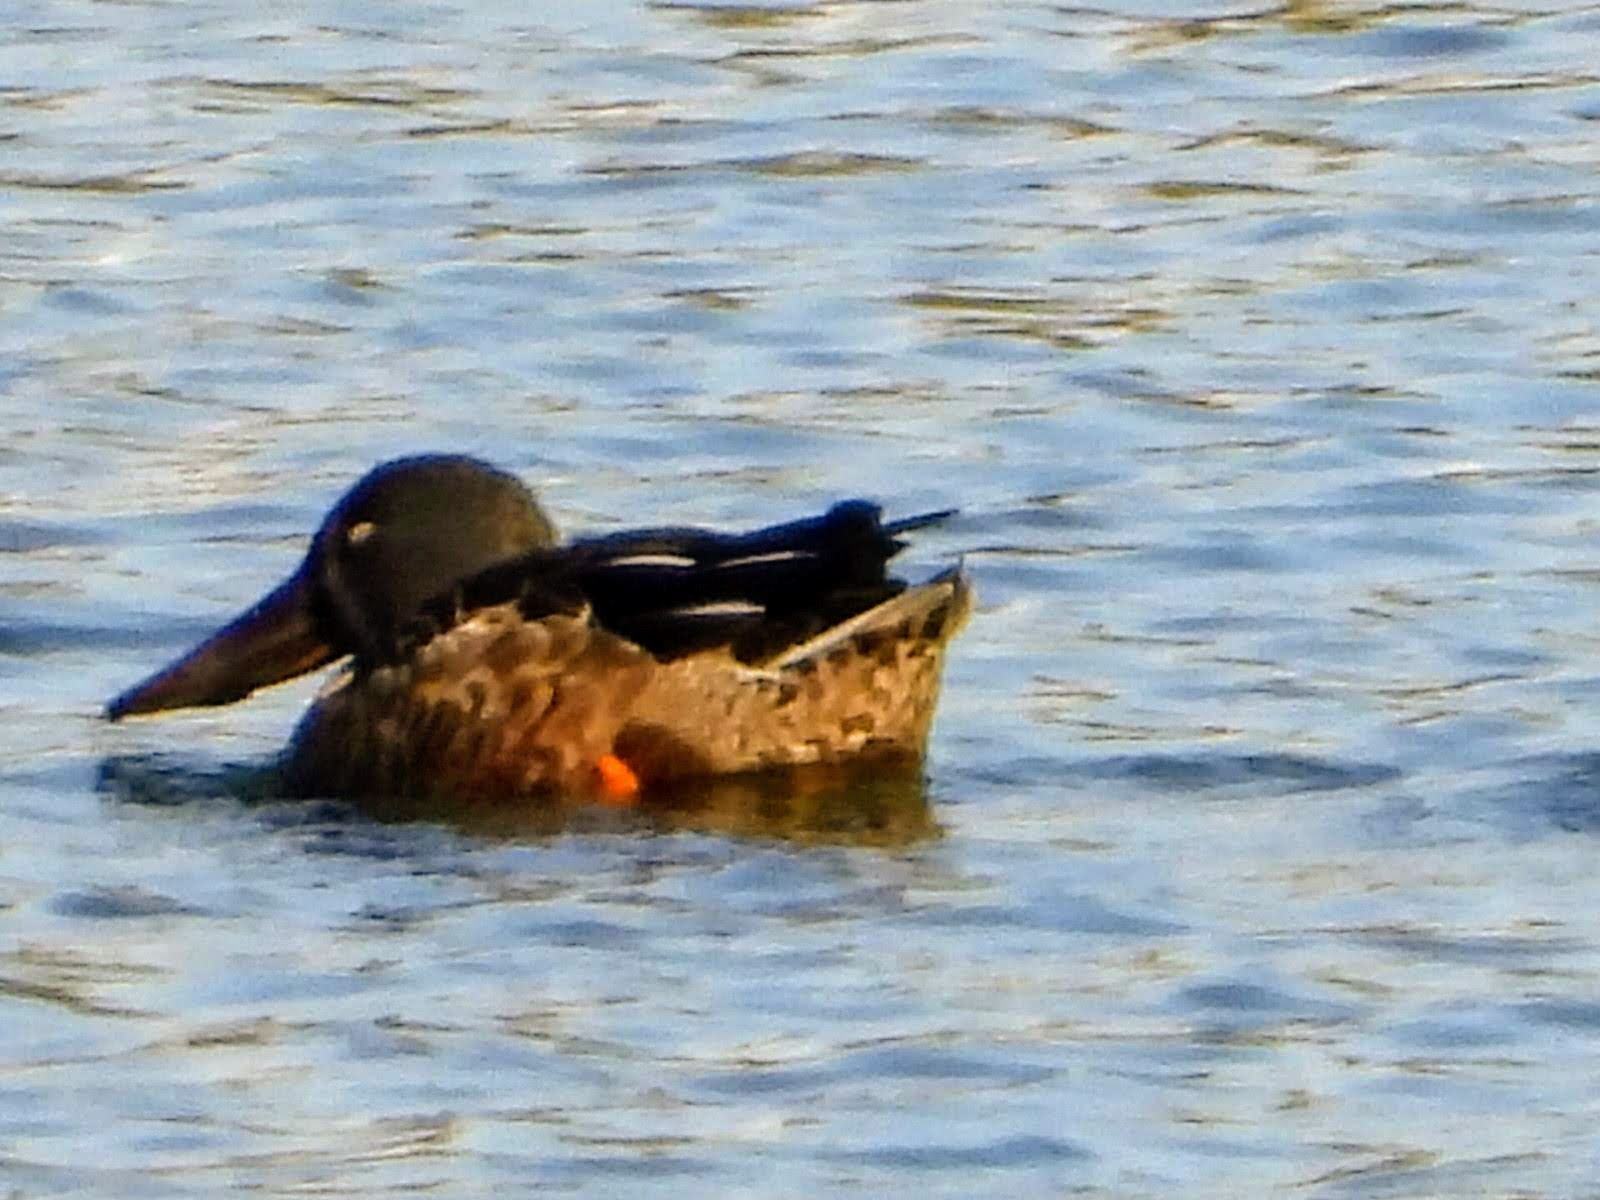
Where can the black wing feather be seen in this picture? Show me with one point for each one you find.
(678, 590)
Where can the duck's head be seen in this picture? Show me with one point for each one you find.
(407, 532)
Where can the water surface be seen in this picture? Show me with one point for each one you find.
(1254, 852)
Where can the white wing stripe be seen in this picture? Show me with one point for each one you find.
(775, 556)
(649, 560)
(718, 608)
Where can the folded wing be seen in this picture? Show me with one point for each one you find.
(676, 591)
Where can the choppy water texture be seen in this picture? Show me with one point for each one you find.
(1256, 850)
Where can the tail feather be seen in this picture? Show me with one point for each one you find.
(920, 521)
(934, 610)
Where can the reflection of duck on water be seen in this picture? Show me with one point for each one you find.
(490, 663)
(853, 804)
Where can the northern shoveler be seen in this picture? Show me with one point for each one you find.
(487, 660)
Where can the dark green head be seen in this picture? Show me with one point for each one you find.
(408, 531)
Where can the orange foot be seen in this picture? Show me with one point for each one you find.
(619, 786)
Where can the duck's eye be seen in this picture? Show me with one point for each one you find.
(359, 532)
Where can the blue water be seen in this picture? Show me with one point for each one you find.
(1255, 849)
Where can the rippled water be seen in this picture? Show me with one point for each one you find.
(1255, 850)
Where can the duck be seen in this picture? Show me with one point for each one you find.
(483, 659)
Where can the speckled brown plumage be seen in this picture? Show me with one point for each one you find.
(503, 706)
